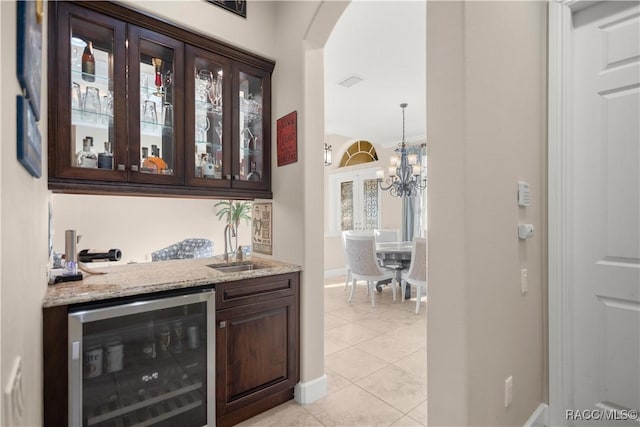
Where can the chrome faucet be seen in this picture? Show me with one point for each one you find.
(227, 241)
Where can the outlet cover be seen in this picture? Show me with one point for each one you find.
(508, 392)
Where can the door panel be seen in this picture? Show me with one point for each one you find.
(606, 199)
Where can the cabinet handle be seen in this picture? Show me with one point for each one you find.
(134, 168)
(122, 168)
(222, 324)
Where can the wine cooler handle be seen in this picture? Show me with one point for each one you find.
(228, 177)
(236, 177)
(134, 168)
(222, 324)
(122, 168)
(75, 372)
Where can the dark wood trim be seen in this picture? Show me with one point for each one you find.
(69, 186)
(55, 366)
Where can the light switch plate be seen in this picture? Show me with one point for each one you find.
(508, 392)
(523, 281)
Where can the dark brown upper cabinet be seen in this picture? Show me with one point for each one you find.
(161, 111)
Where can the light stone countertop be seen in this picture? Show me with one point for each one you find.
(148, 277)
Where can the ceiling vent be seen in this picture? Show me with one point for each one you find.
(351, 80)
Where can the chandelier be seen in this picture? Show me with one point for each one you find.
(404, 178)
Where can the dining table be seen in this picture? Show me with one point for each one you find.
(395, 255)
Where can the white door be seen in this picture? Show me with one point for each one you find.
(354, 201)
(605, 200)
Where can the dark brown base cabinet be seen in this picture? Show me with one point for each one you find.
(257, 349)
(257, 346)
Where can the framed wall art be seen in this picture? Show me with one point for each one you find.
(29, 51)
(287, 133)
(261, 228)
(239, 7)
(29, 139)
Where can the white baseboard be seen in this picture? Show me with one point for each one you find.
(311, 391)
(334, 273)
(540, 417)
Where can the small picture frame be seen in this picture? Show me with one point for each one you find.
(28, 137)
(29, 51)
(262, 228)
(287, 139)
(239, 7)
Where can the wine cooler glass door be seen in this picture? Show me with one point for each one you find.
(145, 363)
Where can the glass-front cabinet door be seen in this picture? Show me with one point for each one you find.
(156, 107)
(207, 88)
(250, 168)
(91, 113)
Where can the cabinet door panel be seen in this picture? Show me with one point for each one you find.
(208, 129)
(252, 129)
(256, 352)
(156, 65)
(91, 111)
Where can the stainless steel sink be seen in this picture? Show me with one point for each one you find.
(234, 268)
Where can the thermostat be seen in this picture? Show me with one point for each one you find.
(524, 197)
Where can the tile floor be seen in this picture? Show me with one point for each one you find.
(375, 360)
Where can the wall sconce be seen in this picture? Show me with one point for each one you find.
(327, 155)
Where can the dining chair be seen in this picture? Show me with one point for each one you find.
(387, 235)
(417, 273)
(361, 259)
(342, 237)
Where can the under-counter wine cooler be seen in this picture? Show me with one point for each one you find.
(145, 363)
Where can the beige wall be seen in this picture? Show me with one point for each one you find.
(487, 130)
(23, 228)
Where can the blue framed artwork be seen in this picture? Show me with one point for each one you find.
(29, 61)
(29, 140)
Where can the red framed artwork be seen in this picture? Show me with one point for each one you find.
(287, 141)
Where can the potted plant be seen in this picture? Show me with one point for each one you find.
(232, 211)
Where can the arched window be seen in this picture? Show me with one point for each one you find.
(359, 152)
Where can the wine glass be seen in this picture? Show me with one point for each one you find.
(204, 80)
(91, 103)
(202, 124)
(150, 115)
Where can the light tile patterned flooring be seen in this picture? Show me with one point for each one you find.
(375, 360)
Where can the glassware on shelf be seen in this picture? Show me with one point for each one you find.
(165, 339)
(248, 139)
(254, 175)
(204, 81)
(208, 165)
(149, 113)
(107, 107)
(216, 92)
(87, 157)
(154, 163)
(76, 97)
(91, 105)
(167, 111)
(157, 64)
(77, 47)
(202, 124)
(105, 159)
(88, 64)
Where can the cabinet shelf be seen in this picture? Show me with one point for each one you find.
(101, 82)
(152, 405)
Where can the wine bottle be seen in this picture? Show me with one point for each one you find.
(91, 255)
(88, 64)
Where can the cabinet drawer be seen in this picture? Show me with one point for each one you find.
(232, 294)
